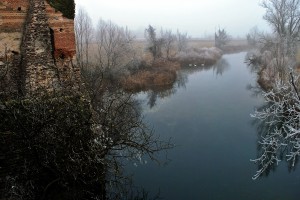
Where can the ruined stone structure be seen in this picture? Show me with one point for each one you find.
(37, 48)
(62, 31)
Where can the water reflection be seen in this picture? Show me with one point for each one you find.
(273, 145)
(210, 124)
(182, 78)
(220, 67)
(154, 94)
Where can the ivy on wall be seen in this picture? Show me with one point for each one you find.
(67, 7)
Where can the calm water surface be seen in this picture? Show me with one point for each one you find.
(208, 119)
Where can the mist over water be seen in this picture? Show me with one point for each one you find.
(209, 121)
(200, 19)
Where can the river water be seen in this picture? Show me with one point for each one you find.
(208, 118)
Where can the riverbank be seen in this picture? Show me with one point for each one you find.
(207, 116)
(160, 73)
(145, 73)
(163, 72)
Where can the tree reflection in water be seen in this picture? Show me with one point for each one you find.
(277, 123)
(182, 78)
(220, 67)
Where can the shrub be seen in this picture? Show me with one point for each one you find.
(54, 142)
(67, 7)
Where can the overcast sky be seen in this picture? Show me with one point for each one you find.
(199, 18)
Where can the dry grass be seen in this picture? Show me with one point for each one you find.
(233, 46)
(199, 56)
(201, 43)
(140, 46)
(163, 72)
(160, 73)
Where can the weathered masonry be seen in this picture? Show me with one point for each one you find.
(37, 48)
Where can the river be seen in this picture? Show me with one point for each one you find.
(208, 118)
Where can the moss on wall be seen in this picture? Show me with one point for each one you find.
(67, 7)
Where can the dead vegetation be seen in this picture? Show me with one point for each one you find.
(148, 73)
(199, 56)
(160, 73)
(140, 64)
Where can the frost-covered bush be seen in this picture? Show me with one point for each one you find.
(279, 123)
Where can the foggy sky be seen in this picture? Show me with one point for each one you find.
(199, 18)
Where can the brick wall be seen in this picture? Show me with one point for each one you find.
(13, 14)
(42, 41)
(39, 54)
(63, 32)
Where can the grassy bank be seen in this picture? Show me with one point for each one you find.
(163, 72)
(160, 73)
(151, 73)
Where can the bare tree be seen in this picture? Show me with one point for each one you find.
(169, 41)
(114, 46)
(253, 36)
(182, 41)
(284, 18)
(123, 134)
(278, 120)
(280, 47)
(84, 34)
(68, 146)
(274, 58)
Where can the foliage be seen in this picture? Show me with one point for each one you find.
(182, 41)
(60, 156)
(114, 47)
(67, 7)
(169, 41)
(70, 146)
(284, 18)
(71, 150)
(278, 120)
(278, 49)
(83, 33)
(125, 135)
(279, 127)
(154, 43)
(221, 38)
(253, 37)
(160, 73)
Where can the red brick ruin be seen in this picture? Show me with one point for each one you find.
(38, 44)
